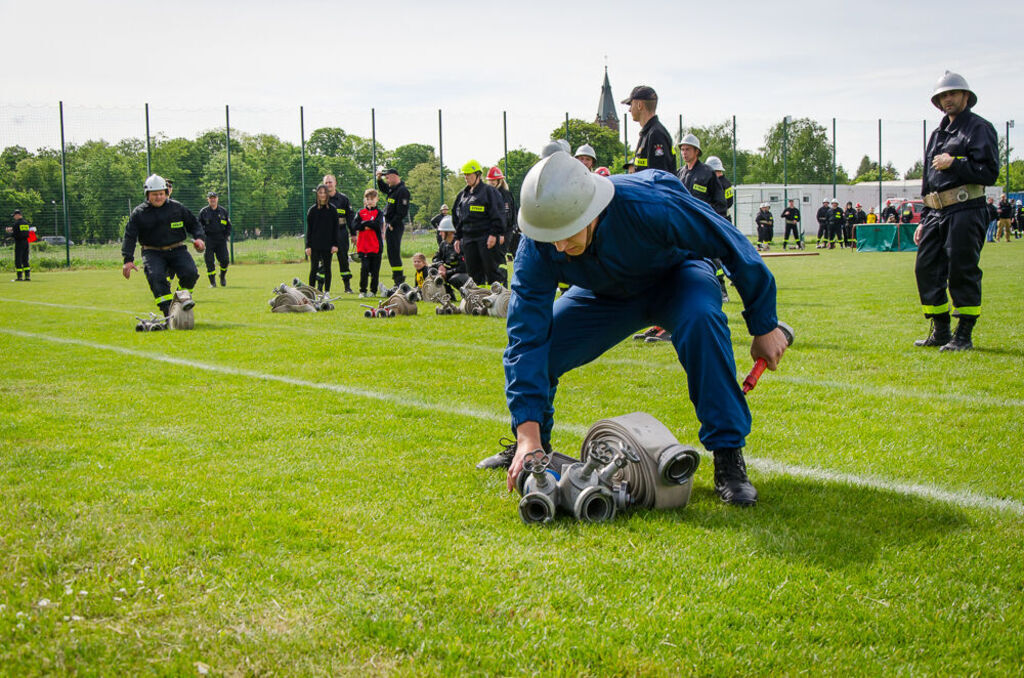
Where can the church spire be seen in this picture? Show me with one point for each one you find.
(606, 115)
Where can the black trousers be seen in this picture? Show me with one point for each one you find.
(847, 233)
(369, 272)
(216, 249)
(320, 262)
(794, 228)
(343, 268)
(765, 233)
(822, 230)
(393, 239)
(21, 257)
(482, 263)
(158, 264)
(947, 257)
(454, 282)
(835, 232)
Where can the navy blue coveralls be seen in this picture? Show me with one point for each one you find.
(647, 264)
(951, 238)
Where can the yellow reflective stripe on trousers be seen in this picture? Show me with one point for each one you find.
(942, 308)
(396, 268)
(166, 297)
(969, 310)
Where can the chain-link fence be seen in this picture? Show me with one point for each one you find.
(76, 172)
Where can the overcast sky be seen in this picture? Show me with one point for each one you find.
(537, 60)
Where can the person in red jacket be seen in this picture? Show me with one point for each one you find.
(368, 227)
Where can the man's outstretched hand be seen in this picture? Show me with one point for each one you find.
(769, 346)
(527, 440)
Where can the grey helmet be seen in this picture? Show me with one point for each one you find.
(715, 163)
(587, 150)
(555, 146)
(953, 81)
(690, 140)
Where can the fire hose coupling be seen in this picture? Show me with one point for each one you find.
(630, 460)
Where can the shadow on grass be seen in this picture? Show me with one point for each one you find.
(825, 524)
(1015, 352)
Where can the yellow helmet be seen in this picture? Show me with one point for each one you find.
(471, 167)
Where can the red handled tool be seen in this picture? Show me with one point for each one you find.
(751, 381)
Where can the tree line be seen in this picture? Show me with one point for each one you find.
(104, 180)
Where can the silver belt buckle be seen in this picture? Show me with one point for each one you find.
(962, 195)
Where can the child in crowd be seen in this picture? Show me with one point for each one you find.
(419, 264)
(368, 226)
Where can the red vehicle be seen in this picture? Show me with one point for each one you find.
(917, 204)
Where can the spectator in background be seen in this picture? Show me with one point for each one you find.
(791, 216)
(450, 264)
(1006, 211)
(907, 212)
(394, 218)
(823, 216)
(889, 214)
(217, 225)
(21, 230)
(435, 221)
(872, 218)
(1019, 221)
(837, 217)
(510, 240)
(343, 208)
(321, 239)
(587, 156)
(479, 219)
(654, 147)
(849, 219)
(369, 229)
(765, 227)
(993, 215)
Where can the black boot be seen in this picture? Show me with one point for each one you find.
(939, 335)
(213, 280)
(28, 275)
(165, 308)
(731, 481)
(223, 279)
(502, 459)
(961, 340)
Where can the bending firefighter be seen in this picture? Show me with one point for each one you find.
(162, 226)
(637, 250)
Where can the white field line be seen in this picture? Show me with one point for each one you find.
(864, 389)
(963, 499)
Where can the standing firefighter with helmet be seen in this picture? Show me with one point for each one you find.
(395, 212)
(823, 215)
(162, 226)
(961, 159)
(722, 208)
(22, 232)
(636, 250)
(217, 227)
(654, 148)
(791, 217)
(479, 219)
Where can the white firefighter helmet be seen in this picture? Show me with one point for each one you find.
(155, 182)
(715, 163)
(560, 197)
(690, 140)
(953, 81)
(587, 150)
(446, 225)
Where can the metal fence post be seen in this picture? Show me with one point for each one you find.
(373, 136)
(64, 189)
(149, 170)
(833, 157)
(735, 179)
(879, 164)
(302, 166)
(440, 152)
(227, 134)
(567, 131)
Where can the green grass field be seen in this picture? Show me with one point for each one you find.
(295, 494)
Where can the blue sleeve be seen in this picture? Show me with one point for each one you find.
(527, 386)
(690, 224)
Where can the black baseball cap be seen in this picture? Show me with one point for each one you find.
(390, 170)
(641, 93)
(15, 212)
(212, 194)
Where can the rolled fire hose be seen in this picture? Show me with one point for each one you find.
(664, 477)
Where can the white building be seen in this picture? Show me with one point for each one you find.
(808, 198)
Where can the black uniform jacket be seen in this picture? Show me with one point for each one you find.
(510, 207)
(1006, 209)
(701, 182)
(791, 214)
(764, 218)
(21, 229)
(339, 201)
(159, 227)
(478, 213)
(862, 217)
(397, 207)
(215, 223)
(824, 214)
(971, 140)
(837, 216)
(322, 228)
(890, 211)
(850, 216)
(728, 194)
(993, 213)
(654, 148)
(452, 260)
